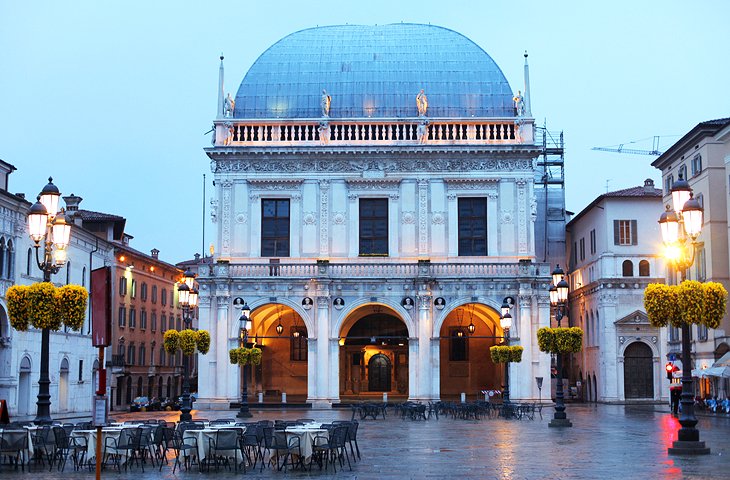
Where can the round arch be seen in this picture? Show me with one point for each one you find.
(346, 319)
(260, 304)
(439, 319)
(654, 349)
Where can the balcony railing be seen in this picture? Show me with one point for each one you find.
(313, 132)
(387, 270)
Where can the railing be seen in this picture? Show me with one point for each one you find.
(117, 361)
(369, 131)
(380, 270)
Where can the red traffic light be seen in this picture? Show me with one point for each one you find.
(670, 367)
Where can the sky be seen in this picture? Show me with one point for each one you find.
(113, 98)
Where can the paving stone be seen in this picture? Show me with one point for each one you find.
(605, 442)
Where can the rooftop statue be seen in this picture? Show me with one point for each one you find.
(228, 105)
(326, 102)
(519, 104)
(421, 103)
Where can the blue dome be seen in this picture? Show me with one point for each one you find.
(374, 71)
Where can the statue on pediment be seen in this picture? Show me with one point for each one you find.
(421, 103)
(325, 103)
(228, 105)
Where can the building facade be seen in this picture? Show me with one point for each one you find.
(73, 362)
(612, 257)
(376, 202)
(702, 157)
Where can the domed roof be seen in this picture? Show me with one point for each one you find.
(374, 71)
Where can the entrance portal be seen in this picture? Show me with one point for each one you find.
(373, 354)
(638, 371)
(379, 373)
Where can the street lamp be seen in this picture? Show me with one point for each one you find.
(680, 227)
(47, 225)
(558, 300)
(505, 321)
(188, 298)
(245, 327)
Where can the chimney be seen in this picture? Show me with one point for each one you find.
(155, 253)
(72, 203)
(649, 186)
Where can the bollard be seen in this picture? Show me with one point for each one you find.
(261, 397)
(463, 397)
(283, 397)
(385, 397)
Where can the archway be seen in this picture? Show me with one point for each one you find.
(24, 387)
(281, 334)
(638, 371)
(465, 363)
(373, 354)
(63, 387)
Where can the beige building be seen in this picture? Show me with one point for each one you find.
(702, 157)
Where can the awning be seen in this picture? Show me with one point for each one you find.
(723, 372)
(723, 362)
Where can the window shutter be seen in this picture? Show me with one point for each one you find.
(615, 232)
(634, 233)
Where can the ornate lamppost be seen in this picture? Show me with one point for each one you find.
(188, 297)
(245, 325)
(680, 227)
(558, 300)
(505, 321)
(47, 225)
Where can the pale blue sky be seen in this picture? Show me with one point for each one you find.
(113, 98)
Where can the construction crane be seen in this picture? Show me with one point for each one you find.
(633, 151)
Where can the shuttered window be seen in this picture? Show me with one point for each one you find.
(373, 227)
(624, 232)
(472, 227)
(275, 228)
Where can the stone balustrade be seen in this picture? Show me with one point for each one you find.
(382, 270)
(316, 132)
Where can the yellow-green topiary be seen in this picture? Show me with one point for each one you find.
(17, 300)
(171, 341)
(187, 341)
(42, 306)
(203, 341)
(72, 300)
(560, 340)
(715, 304)
(662, 305)
(691, 299)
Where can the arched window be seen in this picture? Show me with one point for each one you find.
(83, 277)
(29, 261)
(2, 257)
(628, 268)
(10, 260)
(644, 268)
(68, 273)
(596, 329)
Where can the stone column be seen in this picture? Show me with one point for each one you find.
(311, 367)
(323, 357)
(423, 244)
(453, 225)
(222, 370)
(226, 209)
(324, 218)
(207, 363)
(424, 325)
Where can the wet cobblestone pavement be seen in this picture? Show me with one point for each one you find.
(605, 442)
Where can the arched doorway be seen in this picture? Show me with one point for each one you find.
(169, 387)
(129, 390)
(63, 387)
(589, 389)
(282, 336)
(373, 354)
(638, 371)
(379, 369)
(24, 387)
(466, 366)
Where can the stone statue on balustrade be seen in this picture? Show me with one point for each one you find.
(324, 132)
(422, 132)
(422, 103)
(228, 105)
(229, 133)
(325, 103)
(519, 104)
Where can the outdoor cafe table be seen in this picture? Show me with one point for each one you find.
(306, 434)
(90, 437)
(15, 435)
(203, 437)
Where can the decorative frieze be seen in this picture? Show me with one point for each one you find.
(324, 212)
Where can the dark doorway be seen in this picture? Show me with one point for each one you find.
(379, 373)
(638, 371)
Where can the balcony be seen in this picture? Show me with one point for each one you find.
(379, 132)
(388, 270)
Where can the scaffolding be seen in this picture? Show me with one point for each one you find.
(550, 196)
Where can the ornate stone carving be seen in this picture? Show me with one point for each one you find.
(409, 218)
(396, 166)
(506, 217)
(423, 216)
(226, 217)
(274, 185)
(393, 196)
(469, 184)
(438, 218)
(369, 185)
(296, 197)
(309, 218)
(213, 210)
(324, 213)
(521, 216)
(254, 197)
(338, 218)
(241, 218)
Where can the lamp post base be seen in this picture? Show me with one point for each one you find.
(680, 447)
(244, 414)
(560, 422)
